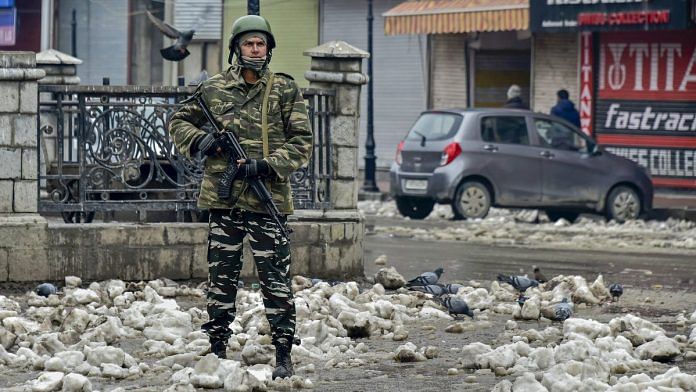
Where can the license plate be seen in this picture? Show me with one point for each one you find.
(416, 185)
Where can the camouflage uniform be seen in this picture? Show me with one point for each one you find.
(236, 106)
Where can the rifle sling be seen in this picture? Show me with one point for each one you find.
(264, 114)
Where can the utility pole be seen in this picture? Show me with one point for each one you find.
(370, 185)
(253, 7)
(73, 33)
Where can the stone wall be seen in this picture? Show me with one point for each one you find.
(325, 243)
(322, 246)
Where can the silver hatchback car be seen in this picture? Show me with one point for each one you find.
(477, 158)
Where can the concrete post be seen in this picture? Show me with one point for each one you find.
(61, 69)
(338, 65)
(22, 230)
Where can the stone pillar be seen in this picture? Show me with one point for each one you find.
(338, 65)
(22, 230)
(61, 69)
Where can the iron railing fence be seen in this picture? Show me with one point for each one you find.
(107, 148)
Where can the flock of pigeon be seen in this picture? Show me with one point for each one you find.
(445, 294)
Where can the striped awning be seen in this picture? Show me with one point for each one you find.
(456, 16)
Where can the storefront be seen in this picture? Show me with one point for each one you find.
(637, 78)
(476, 49)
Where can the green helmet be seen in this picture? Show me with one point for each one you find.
(247, 24)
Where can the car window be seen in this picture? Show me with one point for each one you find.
(553, 134)
(435, 126)
(504, 129)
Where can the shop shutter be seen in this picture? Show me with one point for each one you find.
(400, 71)
(102, 38)
(203, 15)
(449, 77)
(495, 72)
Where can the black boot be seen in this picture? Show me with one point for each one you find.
(283, 367)
(218, 347)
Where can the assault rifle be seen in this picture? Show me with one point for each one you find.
(237, 152)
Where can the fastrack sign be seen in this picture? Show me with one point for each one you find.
(646, 102)
(608, 15)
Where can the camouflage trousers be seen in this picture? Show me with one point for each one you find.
(272, 257)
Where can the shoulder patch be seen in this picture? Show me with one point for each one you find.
(285, 75)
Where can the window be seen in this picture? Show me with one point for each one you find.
(556, 135)
(504, 129)
(435, 126)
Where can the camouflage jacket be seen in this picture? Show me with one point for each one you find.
(237, 108)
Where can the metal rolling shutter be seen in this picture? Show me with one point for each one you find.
(449, 71)
(102, 39)
(400, 71)
(495, 71)
(205, 16)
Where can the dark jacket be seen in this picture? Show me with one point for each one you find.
(565, 109)
(516, 103)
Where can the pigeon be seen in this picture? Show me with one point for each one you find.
(434, 289)
(563, 310)
(178, 51)
(538, 275)
(456, 305)
(453, 288)
(521, 300)
(426, 278)
(46, 289)
(520, 283)
(616, 291)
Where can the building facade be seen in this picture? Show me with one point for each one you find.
(636, 72)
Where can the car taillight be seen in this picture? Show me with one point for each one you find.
(449, 153)
(398, 152)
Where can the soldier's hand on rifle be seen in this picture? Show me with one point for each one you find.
(209, 145)
(249, 168)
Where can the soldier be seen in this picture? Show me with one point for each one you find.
(276, 145)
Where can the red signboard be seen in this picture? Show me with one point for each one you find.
(586, 82)
(648, 65)
(645, 107)
(623, 18)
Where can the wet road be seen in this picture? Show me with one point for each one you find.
(463, 261)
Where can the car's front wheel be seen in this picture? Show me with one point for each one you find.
(623, 204)
(472, 200)
(555, 215)
(414, 207)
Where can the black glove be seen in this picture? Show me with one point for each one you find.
(254, 168)
(208, 144)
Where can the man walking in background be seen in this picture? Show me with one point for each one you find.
(565, 108)
(515, 100)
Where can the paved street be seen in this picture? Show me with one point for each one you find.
(463, 261)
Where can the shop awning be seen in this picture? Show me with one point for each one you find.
(456, 16)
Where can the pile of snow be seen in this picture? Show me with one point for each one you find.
(505, 226)
(73, 337)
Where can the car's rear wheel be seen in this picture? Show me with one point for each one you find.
(623, 204)
(414, 207)
(555, 215)
(472, 200)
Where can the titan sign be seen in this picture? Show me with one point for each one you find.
(645, 104)
(608, 15)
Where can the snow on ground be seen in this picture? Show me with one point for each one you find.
(512, 227)
(84, 339)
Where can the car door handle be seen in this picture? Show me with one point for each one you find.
(546, 154)
(491, 148)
